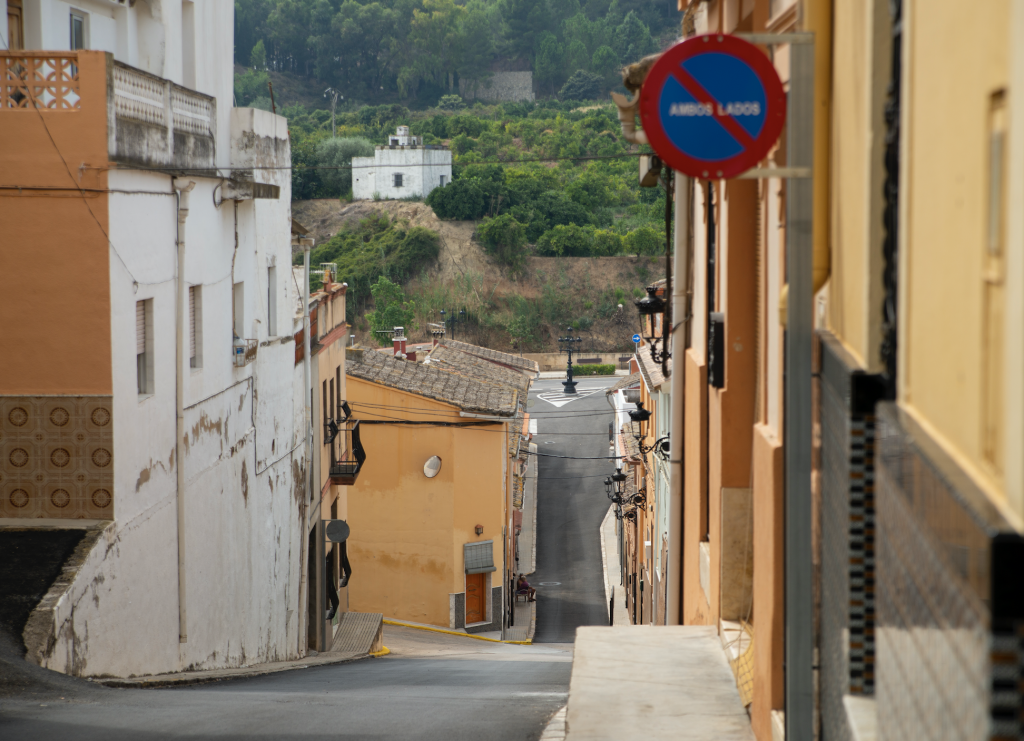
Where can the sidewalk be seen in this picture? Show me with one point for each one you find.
(528, 536)
(561, 374)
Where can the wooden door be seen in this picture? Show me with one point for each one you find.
(476, 606)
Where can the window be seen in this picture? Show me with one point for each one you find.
(144, 346)
(188, 43)
(444, 180)
(325, 411)
(394, 142)
(398, 180)
(238, 310)
(77, 31)
(272, 301)
(15, 25)
(195, 326)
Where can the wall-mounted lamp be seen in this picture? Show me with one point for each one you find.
(479, 529)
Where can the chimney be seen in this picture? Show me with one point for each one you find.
(398, 340)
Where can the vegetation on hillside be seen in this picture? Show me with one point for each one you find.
(418, 50)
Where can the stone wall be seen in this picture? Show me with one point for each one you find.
(504, 86)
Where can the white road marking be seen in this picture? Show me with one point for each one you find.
(560, 398)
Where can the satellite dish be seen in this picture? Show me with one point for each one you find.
(432, 467)
(337, 531)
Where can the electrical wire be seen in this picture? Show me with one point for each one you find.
(216, 171)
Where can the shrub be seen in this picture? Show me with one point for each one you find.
(644, 241)
(390, 310)
(566, 241)
(582, 85)
(461, 200)
(602, 369)
(339, 153)
(505, 238)
(251, 85)
(451, 103)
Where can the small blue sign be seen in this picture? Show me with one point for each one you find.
(636, 339)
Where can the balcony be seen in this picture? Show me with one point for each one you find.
(245, 352)
(150, 121)
(347, 454)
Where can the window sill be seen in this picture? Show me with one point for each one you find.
(144, 397)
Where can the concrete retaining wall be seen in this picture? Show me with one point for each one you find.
(504, 86)
(553, 361)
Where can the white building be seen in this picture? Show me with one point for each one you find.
(404, 168)
(175, 358)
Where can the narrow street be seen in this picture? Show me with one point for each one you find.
(433, 687)
(570, 507)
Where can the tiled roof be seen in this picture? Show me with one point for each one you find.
(515, 433)
(495, 356)
(624, 383)
(463, 391)
(517, 491)
(470, 365)
(651, 370)
(630, 446)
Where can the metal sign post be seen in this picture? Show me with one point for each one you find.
(712, 107)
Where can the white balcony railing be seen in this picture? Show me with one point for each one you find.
(139, 96)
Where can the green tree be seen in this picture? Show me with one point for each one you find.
(338, 153)
(476, 49)
(258, 58)
(606, 64)
(505, 238)
(566, 241)
(450, 103)
(644, 241)
(606, 243)
(633, 39)
(548, 67)
(461, 200)
(582, 85)
(390, 310)
(433, 45)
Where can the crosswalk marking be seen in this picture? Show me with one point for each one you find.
(560, 398)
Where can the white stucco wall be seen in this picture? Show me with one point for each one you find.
(421, 171)
(149, 35)
(244, 505)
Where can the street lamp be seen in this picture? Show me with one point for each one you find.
(450, 318)
(649, 306)
(638, 419)
(566, 345)
(334, 96)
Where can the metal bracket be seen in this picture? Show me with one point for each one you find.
(776, 39)
(760, 173)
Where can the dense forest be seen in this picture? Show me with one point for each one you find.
(417, 50)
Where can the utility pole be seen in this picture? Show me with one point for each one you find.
(334, 96)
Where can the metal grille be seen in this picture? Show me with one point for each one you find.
(479, 557)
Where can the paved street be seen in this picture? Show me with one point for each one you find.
(432, 686)
(570, 506)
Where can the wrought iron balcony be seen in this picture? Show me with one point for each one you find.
(245, 352)
(347, 454)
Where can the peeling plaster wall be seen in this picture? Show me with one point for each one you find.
(244, 536)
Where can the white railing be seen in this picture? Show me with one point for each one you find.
(50, 80)
(139, 96)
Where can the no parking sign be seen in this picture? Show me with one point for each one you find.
(712, 106)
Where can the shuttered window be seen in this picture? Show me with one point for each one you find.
(192, 326)
(140, 327)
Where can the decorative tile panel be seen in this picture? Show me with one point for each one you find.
(57, 457)
(950, 606)
(848, 397)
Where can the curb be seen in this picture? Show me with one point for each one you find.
(384, 651)
(156, 682)
(400, 624)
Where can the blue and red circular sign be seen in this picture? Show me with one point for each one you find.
(712, 106)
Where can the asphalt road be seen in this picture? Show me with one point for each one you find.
(432, 687)
(571, 504)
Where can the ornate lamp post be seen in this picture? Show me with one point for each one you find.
(649, 306)
(638, 419)
(450, 318)
(566, 345)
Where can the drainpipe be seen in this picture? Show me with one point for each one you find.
(182, 187)
(680, 314)
(307, 387)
